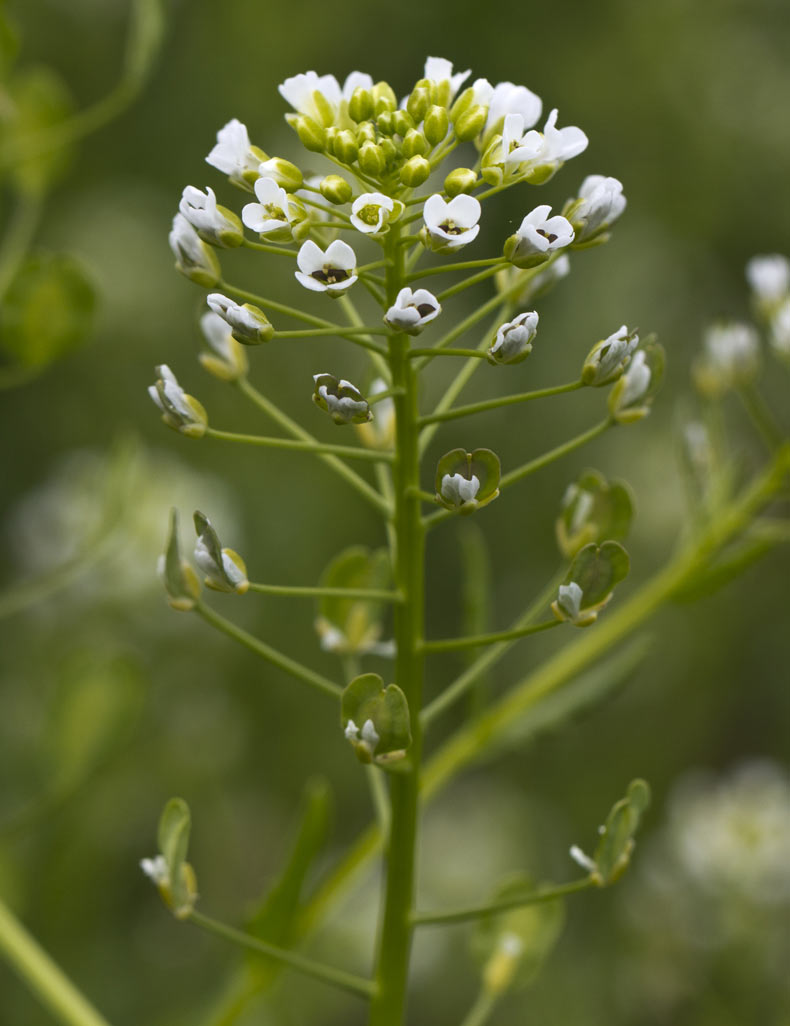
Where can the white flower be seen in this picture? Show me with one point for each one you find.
(609, 357)
(202, 212)
(230, 575)
(193, 256)
(227, 360)
(332, 271)
(343, 401)
(319, 97)
(412, 310)
(449, 226)
(370, 212)
(513, 341)
(582, 859)
(156, 869)
(601, 202)
(537, 237)
(439, 70)
(233, 154)
(247, 323)
(457, 489)
(533, 155)
(569, 599)
(731, 351)
(179, 411)
(769, 277)
(507, 98)
(635, 381)
(780, 329)
(275, 210)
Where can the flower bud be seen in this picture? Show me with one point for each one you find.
(224, 568)
(629, 399)
(346, 146)
(329, 139)
(227, 359)
(360, 106)
(414, 144)
(607, 360)
(462, 179)
(249, 324)
(336, 189)
(214, 224)
(178, 577)
(180, 411)
(389, 150)
(287, 175)
(383, 97)
(385, 123)
(311, 134)
(402, 122)
(419, 101)
(343, 401)
(470, 124)
(366, 132)
(435, 124)
(462, 104)
(194, 259)
(415, 171)
(513, 342)
(371, 159)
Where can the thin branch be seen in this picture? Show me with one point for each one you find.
(555, 454)
(477, 354)
(287, 590)
(465, 265)
(474, 279)
(495, 404)
(536, 897)
(348, 451)
(476, 640)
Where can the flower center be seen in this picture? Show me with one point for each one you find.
(547, 235)
(424, 309)
(330, 275)
(275, 213)
(369, 214)
(451, 228)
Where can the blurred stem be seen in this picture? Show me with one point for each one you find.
(467, 283)
(297, 431)
(18, 237)
(371, 594)
(454, 644)
(482, 1008)
(555, 454)
(327, 974)
(379, 355)
(380, 797)
(465, 265)
(326, 448)
(431, 353)
(495, 404)
(271, 655)
(761, 415)
(46, 980)
(536, 897)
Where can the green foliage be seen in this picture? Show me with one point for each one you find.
(144, 41)
(179, 889)
(40, 101)
(346, 625)
(593, 510)
(376, 720)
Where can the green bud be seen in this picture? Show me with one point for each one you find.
(366, 132)
(415, 171)
(385, 123)
(371, 159)
(463, 179)
(389, 149)
(414, 144)
(470, 124)
(329, 139)
(462, 103)
(311, 134)
(336, 189)
(287, 175)
(346, 147)
(436, 124)
(324, 108)
(360, 106)
(383, 97)
(418, 102)
(178, 577)
(403, 121)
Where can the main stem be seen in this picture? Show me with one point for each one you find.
(392, 965)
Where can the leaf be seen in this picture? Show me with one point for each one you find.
(597, 570)
(617, 836)
(40, 100)
(366, 699)
(173, 834)
(48, 310)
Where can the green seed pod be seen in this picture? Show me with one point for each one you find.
(415, 171)
(311, 134)
(470, 124)
(371, 159)
(346, 147)
(336, 189)
(436, 124)
(414, 144)
(360, 106)
(463, 179)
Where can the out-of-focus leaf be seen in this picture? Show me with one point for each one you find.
(735, 560)
(39, 100)
(144, 41)
(350, 626)
(48, 310)
(274, 920)
(617, 835)
(9, 46)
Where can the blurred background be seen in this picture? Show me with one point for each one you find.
(111, 702)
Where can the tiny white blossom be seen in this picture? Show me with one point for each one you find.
(538, 236)
(412, 310)
(449, 226)
(635, 381)
(200, 209)
(609, 357)
(332, 271)
(731, 352)
(535, 154)
(513, 342)
(352, 731)
(601, 203)
(170, 393)
(247, 323)
(156, 869)
(193, 257)
(439, 69)
(319, 97)
(507, 98)
(570, 599)
(769, 277)
(233, 154)
(583, 859)
(217, 333)
(370, 212)
(274, 211)
(369, 735)
(457, 489)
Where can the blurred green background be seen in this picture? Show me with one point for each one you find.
(111, 702)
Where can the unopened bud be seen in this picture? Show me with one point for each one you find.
(346, 147)
(360, 106)
(287, 175)
(371, 159)
(471, 123)
(335, 189)
(414, 144)
(463, 179)
(419, 101)
(415, 171)
(311, 134)
(366, 132)
(383, 97)
(435, 124)
(385, 123)
(403, 121)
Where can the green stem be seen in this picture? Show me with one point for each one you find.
(46, 980)
(454, 644)
(465, 265)
(271, 655)
(467, 283)
(270, 304)
(327, 974)
(761, 415)
(371, 594)
(267, 247)
(380, 797)
(482, 1009)
(297, 431)
(17, 239)
(349, 451)
(537, 897)
(338, 329)
(395, 934)
(379, 359)
(476, 354)
(495, 404)
(555, 454)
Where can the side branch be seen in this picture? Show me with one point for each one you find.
(476, 640)
(349, 451)
(536, 897)
(555, 454)
(371, 594)
(495, 404)
(271, 655)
